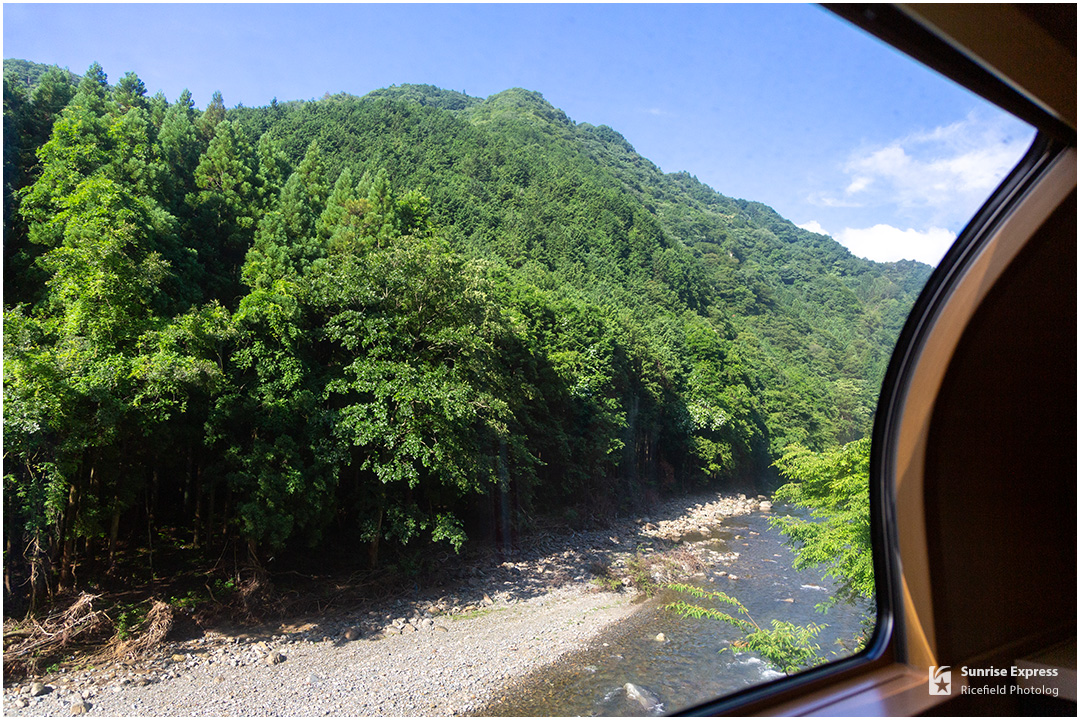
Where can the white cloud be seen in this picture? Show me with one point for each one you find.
(822, 200)
(813, 226)
(936, 177)
(885, 243)
(860, 183)
(930, 182)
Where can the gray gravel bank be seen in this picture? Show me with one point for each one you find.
(450, 655)
(449, 668)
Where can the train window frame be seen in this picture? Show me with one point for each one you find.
(889, 677)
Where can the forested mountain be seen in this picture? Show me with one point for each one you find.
(413, 316)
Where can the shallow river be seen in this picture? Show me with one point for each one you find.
(688, 666)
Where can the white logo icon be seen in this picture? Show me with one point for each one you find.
(940, 680)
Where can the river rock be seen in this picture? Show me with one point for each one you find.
(178, 658)
(80, 708)
(38, 688)
(275, 658)
(406, 629)
(352, 634)
(648, 701)
(660, 637)
(765, 506)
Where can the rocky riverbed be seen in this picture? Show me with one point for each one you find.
(445, 651)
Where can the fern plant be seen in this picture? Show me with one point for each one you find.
(787, 647)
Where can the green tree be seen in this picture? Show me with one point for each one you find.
(179, 149)
(547, 319)
(52, 94)
(71, 377)
(413, 335)
(212, 116)
(270, 422)
(79, 147)
(130, 92)
(835, 486)
(225, 209)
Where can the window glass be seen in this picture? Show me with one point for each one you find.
(522, 359)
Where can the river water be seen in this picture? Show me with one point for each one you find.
(687, 667)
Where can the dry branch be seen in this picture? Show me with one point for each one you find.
(27, 649)
(79, 622)
(148, 634)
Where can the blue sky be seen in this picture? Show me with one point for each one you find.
(783, 104)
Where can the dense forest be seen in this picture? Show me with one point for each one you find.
(366, 324)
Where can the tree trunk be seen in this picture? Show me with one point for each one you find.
(89, 555)
(154, 485)
(253, 554)
(7, 566)
(504, 502)
(114, 534)
(373, 548)
(188, 494)
(150, 525)
(67, 536)
(225, 513)
(39, 573)
(67, 562)
(198, 506)
(210, 512)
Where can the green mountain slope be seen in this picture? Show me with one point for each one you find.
(513, 178)
(415, 316)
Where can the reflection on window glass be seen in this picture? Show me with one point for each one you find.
(532, 373)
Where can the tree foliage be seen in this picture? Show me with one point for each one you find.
(835, 486)
(788, 647)
(414, 316)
